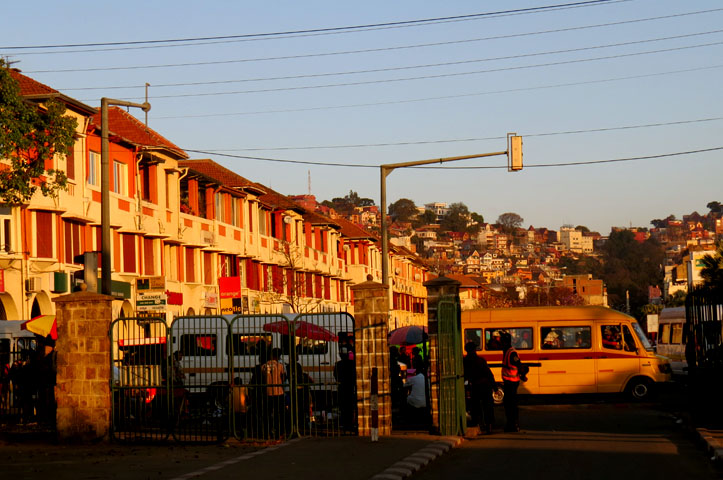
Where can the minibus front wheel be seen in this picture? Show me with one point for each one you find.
(639, 389)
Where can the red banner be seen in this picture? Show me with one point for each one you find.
(229, 287)
(2, 281)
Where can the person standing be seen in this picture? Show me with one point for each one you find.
(275, 375)
(511, 365)
(481, 382)
(345, 374)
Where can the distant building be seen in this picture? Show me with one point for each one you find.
(592, 291)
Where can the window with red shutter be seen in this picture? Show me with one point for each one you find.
(44, 237)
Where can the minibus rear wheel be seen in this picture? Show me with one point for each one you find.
(498, 395)
(639, 389)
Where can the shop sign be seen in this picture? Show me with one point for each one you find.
(151, 283)
(151, 302)
(211, 300)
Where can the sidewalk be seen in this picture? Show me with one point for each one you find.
(353, 458)
(713, 441)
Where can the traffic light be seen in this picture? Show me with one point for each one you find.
(514, 152)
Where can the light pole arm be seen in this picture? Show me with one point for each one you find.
(385, 170)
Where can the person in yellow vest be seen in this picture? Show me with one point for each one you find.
(511, 367)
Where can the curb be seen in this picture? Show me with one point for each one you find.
(713, 446)
(421, 458)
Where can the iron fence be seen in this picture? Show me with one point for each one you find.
(255, 377)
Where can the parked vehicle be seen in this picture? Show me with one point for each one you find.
(224, 350)
(671, 340)
(570, 349)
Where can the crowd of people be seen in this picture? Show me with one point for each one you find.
(27, 385)
(410, 384)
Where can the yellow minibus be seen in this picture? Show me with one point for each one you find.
(570, 349)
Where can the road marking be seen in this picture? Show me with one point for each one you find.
(231, 461)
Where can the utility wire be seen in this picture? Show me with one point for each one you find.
(444, 97)
(538, 165)
(428, 77)
(355, 72)
(321, 30)
(460, 140)
(383, 49)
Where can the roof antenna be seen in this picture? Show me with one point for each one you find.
(309, 173)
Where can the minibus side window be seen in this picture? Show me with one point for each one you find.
(629, 340)
(664, 334)
(611, 337)
(305, 346)
(473, 335)
(677, 337)
(247, 344)
(198, 345)
(565, 337)
(521, 338)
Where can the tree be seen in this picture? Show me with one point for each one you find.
(477, 217)
(402, 210)
(715, 207)
(677, 299)
(456, 218)
(630, 267)
(510, 222)
(30, 137)
(427, 218)
(712, 271)
(288, 285)
(582, 228)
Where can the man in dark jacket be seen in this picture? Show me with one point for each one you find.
(481, 382)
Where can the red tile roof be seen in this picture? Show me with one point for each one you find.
(353, 231)
(31, 88)
(28, 86)
(131, 129)
(224, 176)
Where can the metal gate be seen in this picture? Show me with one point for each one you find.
(140, 402)
(452, 413)
(251, 376)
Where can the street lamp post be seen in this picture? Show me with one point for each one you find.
(105, 186)
(514, 153)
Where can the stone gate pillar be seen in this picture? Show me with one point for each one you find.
(371, 328)
(82, 390)
(436, 289)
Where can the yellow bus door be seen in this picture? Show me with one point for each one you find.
(617, 359)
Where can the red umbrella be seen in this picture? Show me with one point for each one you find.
(409, 335)
(42, 325)
(302, 329)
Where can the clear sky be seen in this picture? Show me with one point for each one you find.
(414, 91)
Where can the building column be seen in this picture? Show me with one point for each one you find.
(437, 289)
(371, 329)
(82, 390)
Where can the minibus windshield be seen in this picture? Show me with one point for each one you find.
(641, 336)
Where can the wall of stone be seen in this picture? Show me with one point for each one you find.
(82, 390)
(371, 326)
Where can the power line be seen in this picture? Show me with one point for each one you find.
(354, 72)
(372, 50)
(460, 140)
(539, 165)
(322, 30)
(428, 77)
(443, 97)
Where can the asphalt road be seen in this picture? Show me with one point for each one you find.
(588, 438)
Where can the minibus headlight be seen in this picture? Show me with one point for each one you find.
(665, 368)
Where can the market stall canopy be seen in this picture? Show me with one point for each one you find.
(42, 325)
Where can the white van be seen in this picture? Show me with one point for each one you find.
(206, 344)
(671, 344)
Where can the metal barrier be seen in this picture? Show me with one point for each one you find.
(252, 376)
(139, 388)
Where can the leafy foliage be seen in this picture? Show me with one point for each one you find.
(712, 271)
(509, 222)
(402, 210)
(631, 266)
(30, 137)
